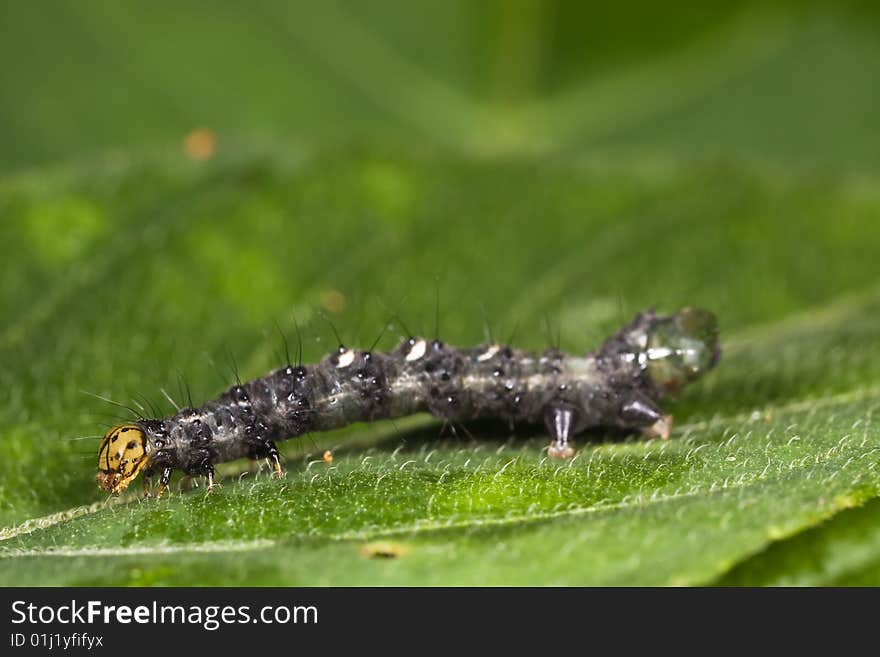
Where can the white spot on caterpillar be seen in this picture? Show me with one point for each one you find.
(629, 357)
(417, 351)
(345, 358)
(490, 351)
(656, 353)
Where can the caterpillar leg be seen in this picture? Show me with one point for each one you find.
(163, 482)
(560, 422)
(643, 412)
(266, 449)
(660, 429)
(209, 475)
(148, 485)
(277, 470)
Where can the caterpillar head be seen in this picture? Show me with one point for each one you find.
(681, 347)
(122, 455)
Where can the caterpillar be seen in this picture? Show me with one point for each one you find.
(617, 386)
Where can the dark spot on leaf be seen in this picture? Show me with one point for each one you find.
(384, 550)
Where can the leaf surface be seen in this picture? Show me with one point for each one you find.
(144, 271)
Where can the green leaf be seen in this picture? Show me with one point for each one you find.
(126, 274)
(790, 81)
(840, 552)
(541, 163)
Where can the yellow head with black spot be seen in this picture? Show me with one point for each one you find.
(122, 455)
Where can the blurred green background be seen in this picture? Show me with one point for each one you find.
(178, 179)
(792, 81)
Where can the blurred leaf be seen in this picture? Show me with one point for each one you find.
(787, 80)
(128, 273)
(840, 552)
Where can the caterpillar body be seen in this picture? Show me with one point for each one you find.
(618, 385)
